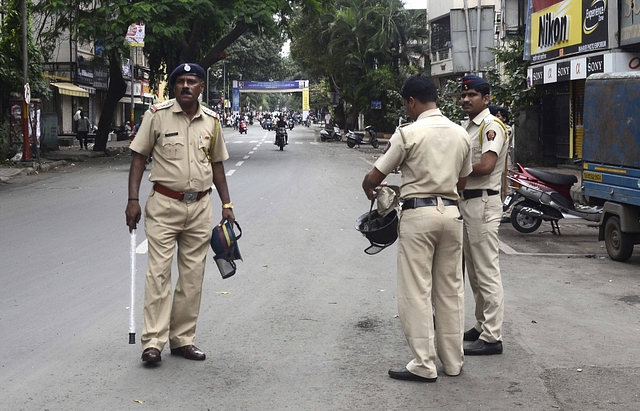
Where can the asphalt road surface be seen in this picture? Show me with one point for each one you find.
(309, 322)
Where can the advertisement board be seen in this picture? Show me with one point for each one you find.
(562, 27)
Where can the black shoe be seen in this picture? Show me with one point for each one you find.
(505, 220)
(151, 355)
(481, 347)
(406, 375)
(190, 352)
(472, 334)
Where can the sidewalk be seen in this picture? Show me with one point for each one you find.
(53, 159)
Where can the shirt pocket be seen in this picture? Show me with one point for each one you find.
(173, 147)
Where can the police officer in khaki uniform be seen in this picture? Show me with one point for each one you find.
(481, 208)
(434, 157)
(188, 150)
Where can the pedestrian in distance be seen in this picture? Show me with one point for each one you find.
(76, 117)
(188, 151)
(83, 130)
(481, 208)
(434, 157)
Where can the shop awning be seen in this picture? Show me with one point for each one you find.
(89, 89)
(127, 100)
(70, 89)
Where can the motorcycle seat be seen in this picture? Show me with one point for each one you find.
(553, 178)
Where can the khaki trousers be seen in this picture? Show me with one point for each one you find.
(168, 222)
(481, 255)
(430, 269)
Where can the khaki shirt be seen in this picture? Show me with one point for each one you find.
(493, 139)
(433, 153)
(183, 149)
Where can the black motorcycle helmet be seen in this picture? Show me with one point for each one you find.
(224, 243)
(381, 231)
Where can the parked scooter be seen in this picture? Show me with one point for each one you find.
(281, 137)
(242, 127)
(540, 195)
(331, 135)
(355, 138)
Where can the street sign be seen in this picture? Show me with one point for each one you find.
(27, 93)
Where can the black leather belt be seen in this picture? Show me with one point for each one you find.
(425, 202)
(467, 194)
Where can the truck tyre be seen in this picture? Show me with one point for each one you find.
(619, 244)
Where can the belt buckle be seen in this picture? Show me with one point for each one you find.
(189, 197)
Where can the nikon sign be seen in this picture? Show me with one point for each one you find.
(562, 27)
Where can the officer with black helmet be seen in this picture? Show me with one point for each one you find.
(433, 155)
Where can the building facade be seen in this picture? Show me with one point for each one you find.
(567, 41)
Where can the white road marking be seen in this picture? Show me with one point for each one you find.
(230, 173)
(246, 157)
(239, 163)
(299, 142)
(314, 143)
(238, 142)
(253, 141)
(251, 152)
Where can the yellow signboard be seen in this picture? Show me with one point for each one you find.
(557, 26)
(305, 99)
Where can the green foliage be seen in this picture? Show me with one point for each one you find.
(364, 48)
(510, 90)
(448, 102)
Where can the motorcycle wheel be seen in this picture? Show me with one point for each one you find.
(351, 143)
(374, 143)
(619, 244)
(524, 223)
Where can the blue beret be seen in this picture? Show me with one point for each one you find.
(471, 81)
(186, 68)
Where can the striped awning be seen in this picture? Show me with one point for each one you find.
(69, 89)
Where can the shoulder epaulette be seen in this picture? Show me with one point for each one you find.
(161, 106)
(208, 111)
(491, 119)
(404, 124)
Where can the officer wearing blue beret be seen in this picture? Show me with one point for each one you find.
(188, 153)
(481, 208)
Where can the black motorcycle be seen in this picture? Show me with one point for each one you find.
(281, 137)
(355, 138)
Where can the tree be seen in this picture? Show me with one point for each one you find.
(11, 61)
(370, 48)
(176, 31)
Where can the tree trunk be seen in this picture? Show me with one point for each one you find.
(117, 90)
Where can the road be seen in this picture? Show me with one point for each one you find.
(309, 321)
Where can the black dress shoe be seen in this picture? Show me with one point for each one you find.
(151, 355)
(406, 375)
(472, 334)
(481, 347)
(190, 352)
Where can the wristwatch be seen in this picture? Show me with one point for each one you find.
(227, 205)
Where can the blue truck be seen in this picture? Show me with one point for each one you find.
(611, 158)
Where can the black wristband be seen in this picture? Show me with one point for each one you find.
(133, 199)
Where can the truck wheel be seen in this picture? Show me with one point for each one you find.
(619, 244)
(524, 223)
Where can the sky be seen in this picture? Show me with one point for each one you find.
(415, 4)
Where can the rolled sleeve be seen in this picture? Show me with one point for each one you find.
(393, 157)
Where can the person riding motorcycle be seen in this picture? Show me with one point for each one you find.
(282, 123)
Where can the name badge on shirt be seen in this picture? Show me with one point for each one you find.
(175, 133)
